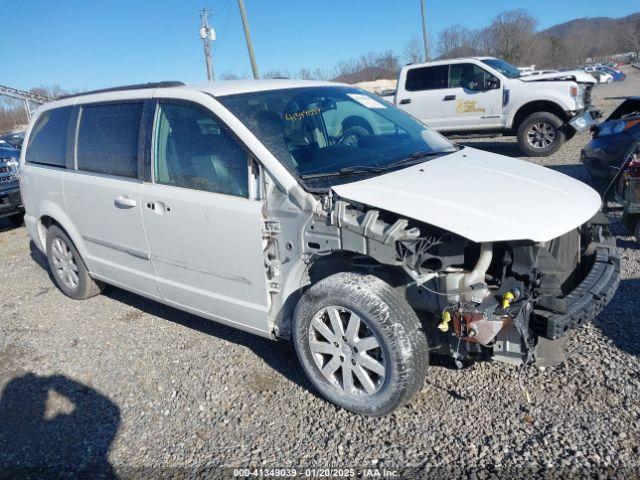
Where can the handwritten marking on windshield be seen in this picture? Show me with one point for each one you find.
(302, 114)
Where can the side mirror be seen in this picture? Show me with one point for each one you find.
(493, 83)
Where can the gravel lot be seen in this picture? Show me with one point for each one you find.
(134, 388)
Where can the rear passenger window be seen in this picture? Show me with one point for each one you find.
(193, 150)
(108, 139)
(48, 139)
(427, 78)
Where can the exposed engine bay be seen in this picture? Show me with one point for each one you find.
(511, 301)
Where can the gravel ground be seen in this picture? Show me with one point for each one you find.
(133, 388)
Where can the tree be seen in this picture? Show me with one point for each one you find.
(457, 41)
(277, 74)
(51, 91)
(510, 34)
(229, 76)
(413, 50)
(631, 37)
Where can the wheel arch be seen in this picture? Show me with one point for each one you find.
(345, 261)
(322, 266)
(534, 107)
(51, 214)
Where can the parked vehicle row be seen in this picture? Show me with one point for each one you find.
(316, 212)
(10, 201)
(605, 74)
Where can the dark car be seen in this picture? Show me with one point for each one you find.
(13, 139)
(611, 140)
(10, 200)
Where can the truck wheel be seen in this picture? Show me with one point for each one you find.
(68, 268)
(541, 134)
(360, 343)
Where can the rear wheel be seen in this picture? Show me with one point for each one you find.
(68, 268)
(360, 343)
(541, 134)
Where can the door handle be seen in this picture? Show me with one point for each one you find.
(449, 97)
(158, 207)
(404, 101)
(122, 201)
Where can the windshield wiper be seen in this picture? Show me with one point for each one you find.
(413, 157)
(346, 171)
(354, 169)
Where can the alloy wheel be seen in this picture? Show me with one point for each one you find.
(347, 352)
(64, 263)
(541, 135)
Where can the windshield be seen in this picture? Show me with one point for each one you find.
(327, 135)
(503, 67)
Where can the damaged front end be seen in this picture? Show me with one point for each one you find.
(533, 294)
(511, 301)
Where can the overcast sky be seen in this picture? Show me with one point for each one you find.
(87, 44)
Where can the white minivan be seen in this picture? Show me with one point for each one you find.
(314, 212)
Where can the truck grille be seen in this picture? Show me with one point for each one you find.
(587, 96)
(8, 172)
(632, 195)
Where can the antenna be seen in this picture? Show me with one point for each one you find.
(208, 35)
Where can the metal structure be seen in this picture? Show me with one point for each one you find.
(425, 37)
(247, 35)
(27, 97)
(208, 35)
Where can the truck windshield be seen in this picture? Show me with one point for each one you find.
(503, 67)
(329, 135)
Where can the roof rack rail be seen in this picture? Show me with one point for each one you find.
(138, 86)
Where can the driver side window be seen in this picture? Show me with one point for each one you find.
(470, 77)
(193, 150)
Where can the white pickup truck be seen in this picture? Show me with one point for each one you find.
(489, 97)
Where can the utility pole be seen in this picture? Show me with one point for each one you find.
(208, 35)
(247, 35)
(425, 38)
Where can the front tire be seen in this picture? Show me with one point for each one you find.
(360, 343)
(68, 268)
(541, 134)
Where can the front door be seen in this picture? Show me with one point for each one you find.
(204, 233)
(102, 195)
(473, 99)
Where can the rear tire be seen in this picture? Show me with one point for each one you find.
(67, 267)
(360, 343)
(541, 134)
